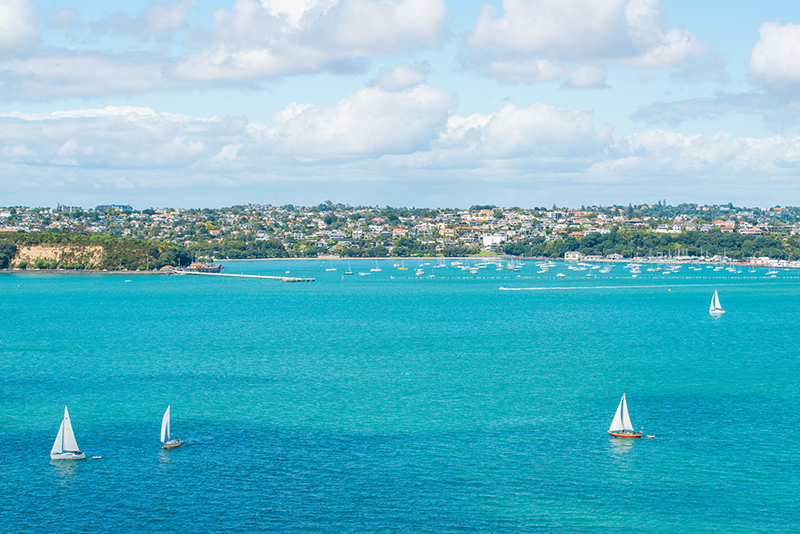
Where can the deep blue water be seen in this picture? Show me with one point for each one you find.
(404, 404)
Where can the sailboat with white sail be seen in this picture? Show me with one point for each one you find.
(169, 443)
(65, 447)
(621, 426)
(715, 308)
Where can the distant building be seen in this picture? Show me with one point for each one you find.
(120, 207)
(573, 256)
(198, 267)
(491, 241)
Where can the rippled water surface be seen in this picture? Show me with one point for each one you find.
(401, 403)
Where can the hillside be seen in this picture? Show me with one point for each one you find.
(46, 250)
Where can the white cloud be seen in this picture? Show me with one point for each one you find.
(111, 138)
(400, 77)
(19, 32)
(371, 122)
(538, 131)
(775, 58)
(68, 73)
(522, 70)
(294, 10)
(250, 42)
(572, 36)
(587, 76)
(157, 18)
(254, 41)
(375, 133)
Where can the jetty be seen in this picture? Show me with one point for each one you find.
(255, 276)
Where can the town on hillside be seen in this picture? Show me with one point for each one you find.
(328, 229)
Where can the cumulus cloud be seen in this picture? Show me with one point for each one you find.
(246, 44)
(253, 40)
(775, 58)
(577, 38)
(383, 133)
(538, 131)
(720, 155)
(19, 32)
(112, 138)
(370, 123)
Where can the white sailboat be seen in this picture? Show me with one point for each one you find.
(715, 308)
(65, 447)
(169, 443)
(621, 426)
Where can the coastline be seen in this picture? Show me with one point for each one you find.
(78, 272)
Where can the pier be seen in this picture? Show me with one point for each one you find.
(255, 276)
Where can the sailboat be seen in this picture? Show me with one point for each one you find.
(65, 447)
(715, 308)
(621, 426)
(169, 443)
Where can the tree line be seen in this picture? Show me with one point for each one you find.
(631, 243)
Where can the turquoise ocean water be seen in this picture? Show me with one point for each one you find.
(401, 403)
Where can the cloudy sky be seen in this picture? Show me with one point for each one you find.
(437, 103)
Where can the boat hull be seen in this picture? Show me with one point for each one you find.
(624, 435)
(173, 443)
(68, 456)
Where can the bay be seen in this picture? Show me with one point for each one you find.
(397, 403)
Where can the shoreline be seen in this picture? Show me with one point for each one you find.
(78, 272)
(410, 258)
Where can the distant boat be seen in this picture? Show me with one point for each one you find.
(349, 270)
(65, 447)
(169, 443)
(561, 275)
(621, 426)
(715, 308)
(375, 269)
(331, 268)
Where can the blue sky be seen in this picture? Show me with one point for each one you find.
(434, 103)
